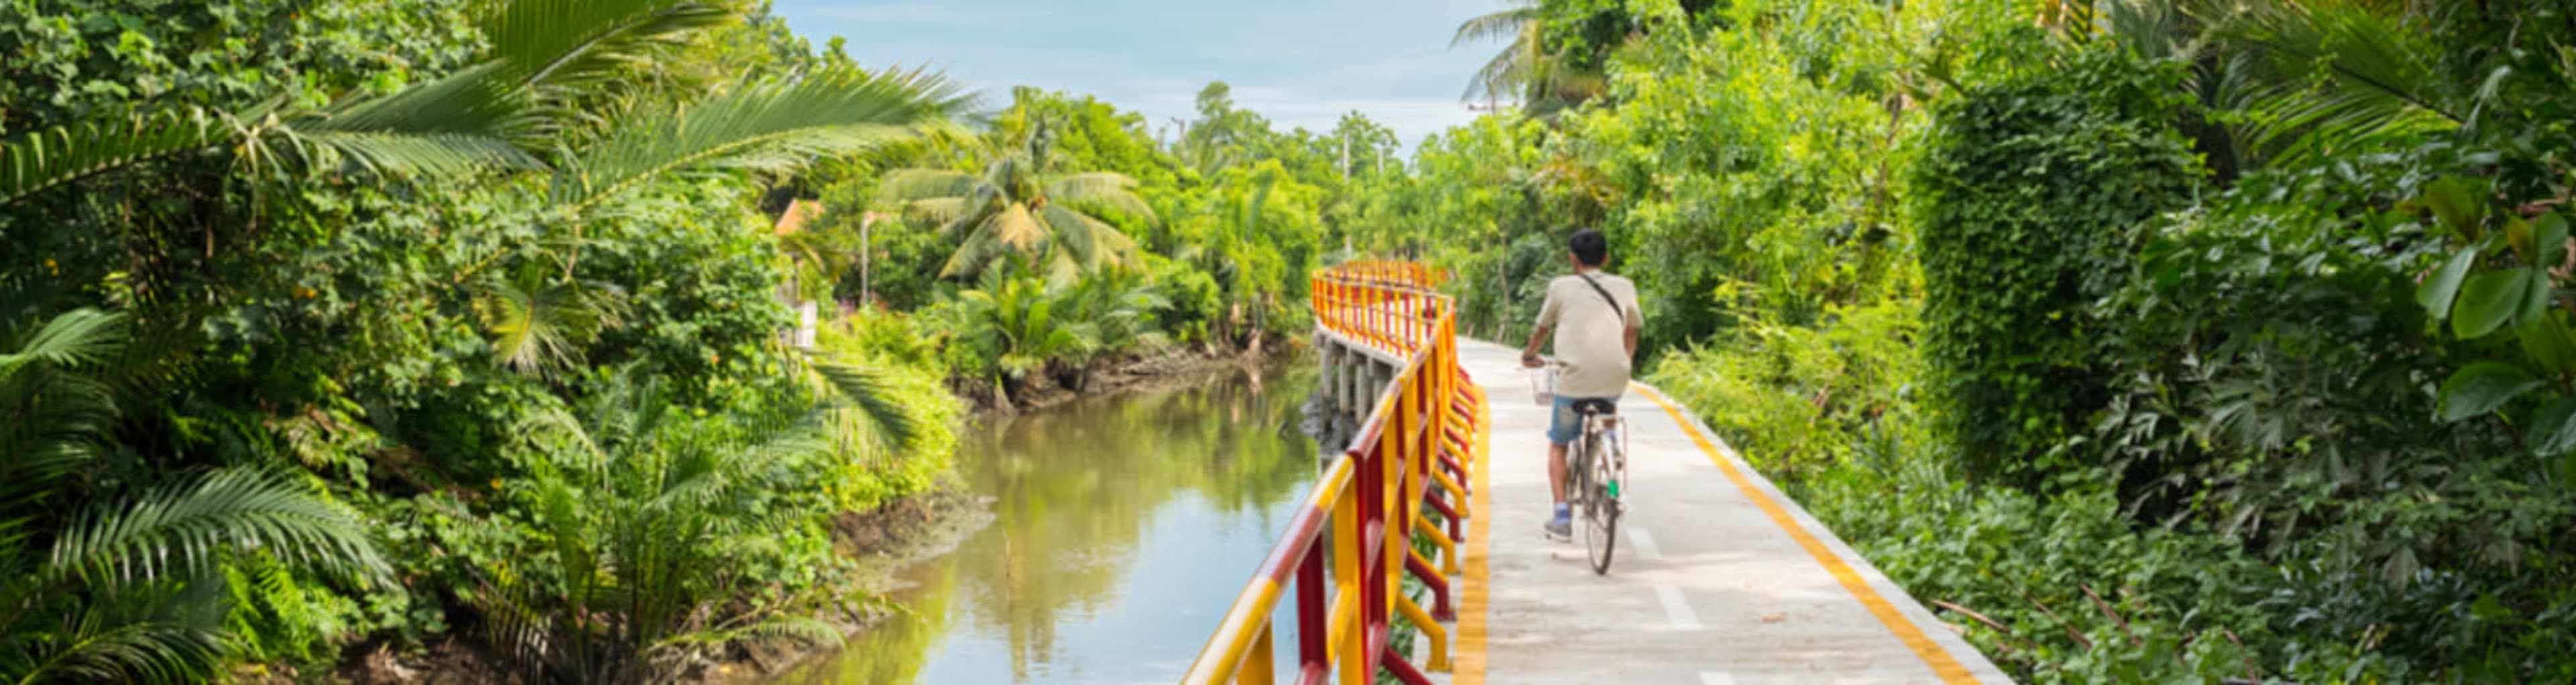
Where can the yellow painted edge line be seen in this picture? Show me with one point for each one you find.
(1943, 664)
(1468, 659)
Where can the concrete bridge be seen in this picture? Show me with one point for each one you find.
(1719, 579)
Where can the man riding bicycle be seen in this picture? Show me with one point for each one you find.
(1595, 318)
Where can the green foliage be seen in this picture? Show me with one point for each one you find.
(636, 534)
(2029, 190)
(1800, 401)
(78, 61)
(323, 374)
(1015, 328)
(2256, 416)
(109, 565)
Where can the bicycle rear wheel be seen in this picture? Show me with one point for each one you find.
(1600, 507)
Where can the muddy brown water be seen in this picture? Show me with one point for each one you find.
(1122, 529)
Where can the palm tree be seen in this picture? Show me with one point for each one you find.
(1020, 317)
(649, 526)
(1119, 309)
(2301, 77)
(1021, 205)
(1524, 70)
(110, 582)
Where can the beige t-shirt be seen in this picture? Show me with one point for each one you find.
(1590, 338)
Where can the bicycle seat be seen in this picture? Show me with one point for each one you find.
(1596, 406)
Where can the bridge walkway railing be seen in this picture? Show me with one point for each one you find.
(1344, 558)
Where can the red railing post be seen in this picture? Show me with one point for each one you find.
(1314, 654)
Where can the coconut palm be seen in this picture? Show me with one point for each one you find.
(1524, 70)
(2300, 77)
(116, 582)
(1021, 205)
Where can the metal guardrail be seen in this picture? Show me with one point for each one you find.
(1345, 556)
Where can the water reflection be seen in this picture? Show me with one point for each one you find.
(1123, 527)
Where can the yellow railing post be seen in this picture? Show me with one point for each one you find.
(1258, 669)
(1346, 576)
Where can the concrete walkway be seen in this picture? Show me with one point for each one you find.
(1718, 579)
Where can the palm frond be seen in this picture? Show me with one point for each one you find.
(775, 125)
(537, 43)
(1015, 227)
(927, 184)
(97, 646)
(401, 154)
(941, 210)
(1100, 189)
(1095, 243)
(478, 100)
(2335, 73)
(1497, 25)
(53, 157)
(58, 414)
(1500, 77)
(1256, 204)
(74, 338)
(876, 395)
(980, 247)
(538, 327)
(184, 525)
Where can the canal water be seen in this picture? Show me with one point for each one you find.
(1122, 529)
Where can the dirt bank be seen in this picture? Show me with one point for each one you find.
(882, 541)
(1182, 367)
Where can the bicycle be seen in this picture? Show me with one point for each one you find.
(1596, 466)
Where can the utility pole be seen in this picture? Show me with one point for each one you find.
(867, 293)
(1346, 157)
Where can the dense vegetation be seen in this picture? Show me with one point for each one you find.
(2193, 340)
(330, 327)
(2151, 340)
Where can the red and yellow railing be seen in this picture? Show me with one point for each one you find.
(1410, 459)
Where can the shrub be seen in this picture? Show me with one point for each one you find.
(1794, 399)
(2028, 192)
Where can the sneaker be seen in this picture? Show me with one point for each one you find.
(1560, 529)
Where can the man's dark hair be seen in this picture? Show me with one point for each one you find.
(1589, 247)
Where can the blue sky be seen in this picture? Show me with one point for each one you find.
(1298, 62)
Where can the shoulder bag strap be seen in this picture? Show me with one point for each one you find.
(1615, 309)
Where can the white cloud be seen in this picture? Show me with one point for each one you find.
(923, 14)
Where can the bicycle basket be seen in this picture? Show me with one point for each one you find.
(1543, 385)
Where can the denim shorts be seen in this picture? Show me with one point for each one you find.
(1565, 425)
